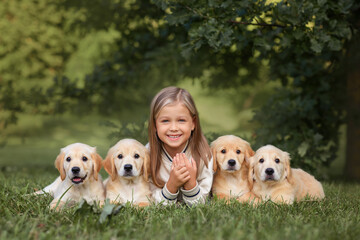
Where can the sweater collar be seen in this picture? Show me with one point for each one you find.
(168, 155)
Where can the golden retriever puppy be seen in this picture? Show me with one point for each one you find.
(231, 168)
(127, 163)
(272, 178)
(79, 165)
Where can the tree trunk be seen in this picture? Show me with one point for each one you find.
(352, 165)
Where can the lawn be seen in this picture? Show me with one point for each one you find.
(28, 217)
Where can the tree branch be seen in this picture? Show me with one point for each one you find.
(258, 24)
(236, 22)
(194, 11)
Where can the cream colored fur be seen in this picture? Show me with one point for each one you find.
(231, 155)
(128, 185)
(90, 187)
(286, 184)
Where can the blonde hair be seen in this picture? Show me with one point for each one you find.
(198, 144)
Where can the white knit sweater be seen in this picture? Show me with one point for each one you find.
(193, 196)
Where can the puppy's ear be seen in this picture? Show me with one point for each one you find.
(213, 152)
(109, 165)
(59, 164)
(249, 153)
(288, 170)
(251, 173)
(97, 164)
(146, 165)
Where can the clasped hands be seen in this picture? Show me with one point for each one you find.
(182, 174)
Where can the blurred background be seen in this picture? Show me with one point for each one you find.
(271, 72)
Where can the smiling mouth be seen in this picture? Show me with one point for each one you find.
(78, 180)
(174, 137)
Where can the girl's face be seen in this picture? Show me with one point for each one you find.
(173, 126)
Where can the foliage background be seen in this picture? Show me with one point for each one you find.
(68, 65)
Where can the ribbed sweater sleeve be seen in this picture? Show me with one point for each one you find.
(162, 195)
(200, 192)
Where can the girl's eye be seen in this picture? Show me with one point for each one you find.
(223, 151)
(238, 151)
(84, 159)
(164, 121)
(261, 160)
(182, 120)
(68, 159)
(120, 156)
(277, 160)
(136, 155)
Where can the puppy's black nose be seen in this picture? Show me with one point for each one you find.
(231, 162)
(75, 170)
(128, 167)
(269, 171)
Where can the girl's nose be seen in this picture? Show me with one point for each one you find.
(173, 126)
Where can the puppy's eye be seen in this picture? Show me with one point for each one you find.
(223, 151)
(238, 151)
(120, 156)
(277, 160)
(84, 159)
(261, 160)
(136, 155)
(68, 159)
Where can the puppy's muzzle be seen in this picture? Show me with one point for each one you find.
(269, 174)
(231, 164)
(75, 170)
(77, 179)
(128, 169)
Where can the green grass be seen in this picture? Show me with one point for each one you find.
(28, 217)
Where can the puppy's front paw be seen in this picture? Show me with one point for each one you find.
(143, 204)
(55, 206)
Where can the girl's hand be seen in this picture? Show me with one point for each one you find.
(191, 167)
(179, 175)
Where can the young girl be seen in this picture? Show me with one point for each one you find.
(180, 157)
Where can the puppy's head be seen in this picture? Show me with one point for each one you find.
(128, 159)
(78, 162)
(230, 152)
(269, 165)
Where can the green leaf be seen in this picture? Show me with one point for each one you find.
(109, 210)
(321, 2)
(317, 138)
(335, 44)
(186, 50)
(226, 3)
(302, 149)
(83, 208)
(316, 46)
(176, 18)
